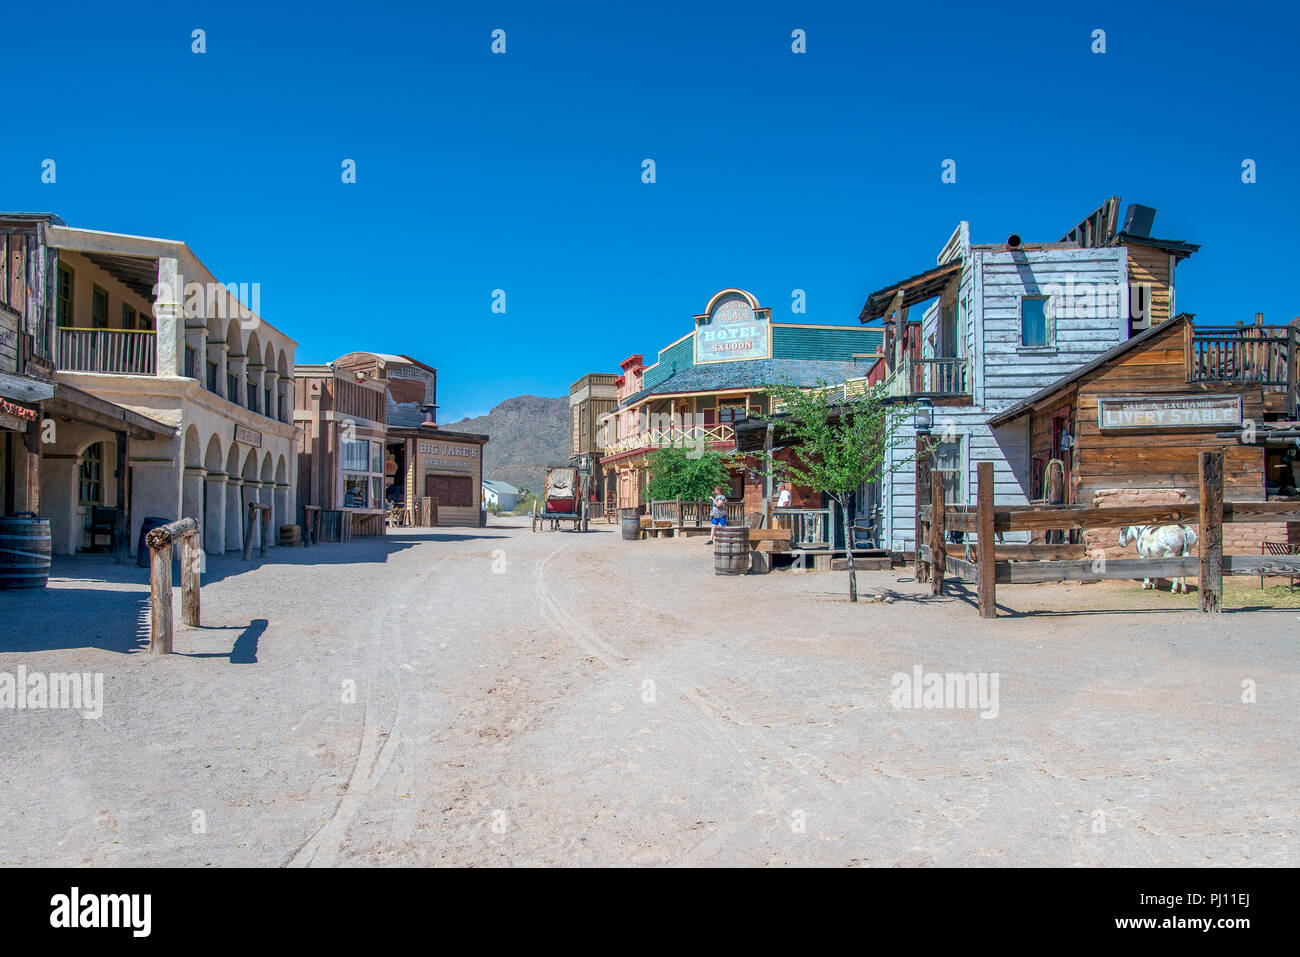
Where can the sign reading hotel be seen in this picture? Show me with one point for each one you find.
(1169, 412)
(246, 436)
(733, 329)
(444, 455)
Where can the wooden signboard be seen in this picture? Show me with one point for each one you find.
(1169, 412)
(247, 436)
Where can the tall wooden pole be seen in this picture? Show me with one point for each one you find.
(987, 550)
(938, 523)
(34, 463)
(1210, 587)
(923, 481)
(122, 528)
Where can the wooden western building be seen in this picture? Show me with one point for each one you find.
(371, 446)
(1128, 427)
(712, 378)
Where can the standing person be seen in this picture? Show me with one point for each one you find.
(783, 496)
(718, 516)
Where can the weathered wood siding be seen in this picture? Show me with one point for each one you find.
(1088, 316)
(1149, 268)
(1154, 458)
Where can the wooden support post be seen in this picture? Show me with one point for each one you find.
(160, 601)
(1292, 371)
(938, 556)
(34, 463)
(987, 551)
(679, 516)
(191, 568)
(250, 522)
(1210, 586)
(122, 527)
(923, 480)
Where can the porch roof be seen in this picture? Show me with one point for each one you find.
(76, 404)
(918, 288)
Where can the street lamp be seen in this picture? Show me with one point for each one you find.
(923, 418)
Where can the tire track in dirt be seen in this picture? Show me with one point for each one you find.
(695, 707)
(376, 747)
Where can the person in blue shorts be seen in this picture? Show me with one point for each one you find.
(719, 513)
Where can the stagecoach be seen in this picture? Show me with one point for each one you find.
(566, 498)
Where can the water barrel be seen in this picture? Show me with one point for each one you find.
(290, 535)
(631, 524)
(24, 551)
(141, 549)
(731, 550)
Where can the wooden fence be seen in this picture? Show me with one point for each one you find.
(1021, 564)
(692, 513)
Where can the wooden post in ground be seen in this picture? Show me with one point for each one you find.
(938, 523)
(1210, 586)
(159, 542)
(678, 533)
(923, 480)
(987, 550)
(191, 568)
(160, 601)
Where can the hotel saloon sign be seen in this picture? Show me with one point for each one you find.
(732, 330)
(1169, 411)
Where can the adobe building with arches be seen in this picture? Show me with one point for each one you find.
(171, 395)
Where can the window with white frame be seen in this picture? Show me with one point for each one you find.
(363, 474)
(947, 468)
(1035, 325)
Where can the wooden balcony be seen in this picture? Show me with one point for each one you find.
(682, 436)
(1262, 355)
(118, 351)
(930, 378)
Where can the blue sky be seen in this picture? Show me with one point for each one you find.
(775, 171)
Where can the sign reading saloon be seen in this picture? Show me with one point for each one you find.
(1169, 411)
(732, 330)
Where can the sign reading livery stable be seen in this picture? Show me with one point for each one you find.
(1169, 411)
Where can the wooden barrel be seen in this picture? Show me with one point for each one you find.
(731, 550)
(24, 552)
(631, 524)
(290, 535)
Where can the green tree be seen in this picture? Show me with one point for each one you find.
(839, 443)
(684, 473)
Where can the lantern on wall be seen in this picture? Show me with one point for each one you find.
(923, 418)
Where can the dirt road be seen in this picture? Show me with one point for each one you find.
(506, 698)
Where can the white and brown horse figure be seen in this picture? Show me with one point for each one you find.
(1160, 541)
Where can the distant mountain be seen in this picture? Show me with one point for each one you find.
(525, 434)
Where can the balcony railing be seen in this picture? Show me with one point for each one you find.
(929, 377)
(809, 527)
(698, 436)
(120, 351)
(1260, 355)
